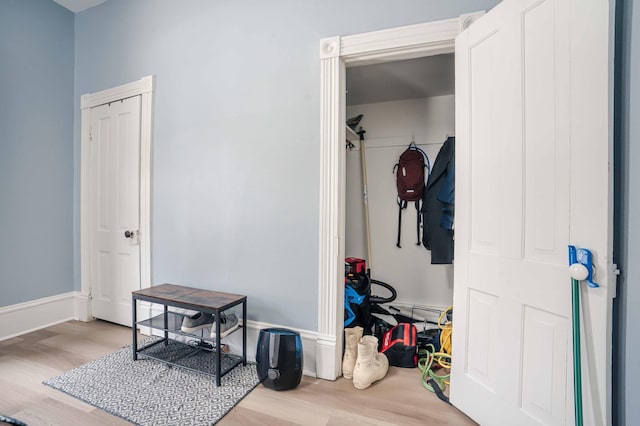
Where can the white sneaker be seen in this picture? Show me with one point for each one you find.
(228, 323)
(196, 322)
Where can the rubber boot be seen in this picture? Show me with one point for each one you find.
(370, 365)
(351, 338)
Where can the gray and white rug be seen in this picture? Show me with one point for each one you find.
(149, 392)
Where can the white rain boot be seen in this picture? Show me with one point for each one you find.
(351, 338)
(370, 365)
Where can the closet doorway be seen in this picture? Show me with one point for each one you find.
(401, 102)
(336, 54)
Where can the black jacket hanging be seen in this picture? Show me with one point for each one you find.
(438, 205)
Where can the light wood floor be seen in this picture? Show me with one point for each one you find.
(26, 361)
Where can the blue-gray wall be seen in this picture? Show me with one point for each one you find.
(36, 150)
(627, 207)
(237, 129)
(237, 115)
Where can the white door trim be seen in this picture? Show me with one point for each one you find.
(407, 42)
(145, 88)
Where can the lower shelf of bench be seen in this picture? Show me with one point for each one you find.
(191, 356)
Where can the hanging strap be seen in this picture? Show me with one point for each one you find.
(438, 391)
(418, 222)
(402, 204)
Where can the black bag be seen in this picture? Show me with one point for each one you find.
(400, 345)
(410, 181)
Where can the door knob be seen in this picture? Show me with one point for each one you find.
(581, 265)
(128, 234)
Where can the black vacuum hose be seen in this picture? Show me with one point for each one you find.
(378, 299)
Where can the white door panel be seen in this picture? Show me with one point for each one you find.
(115, 259)
(532, 164)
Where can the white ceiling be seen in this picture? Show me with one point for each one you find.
(407, 79)
(79, 5)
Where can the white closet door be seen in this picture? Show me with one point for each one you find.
(115, 214)
(533, 158)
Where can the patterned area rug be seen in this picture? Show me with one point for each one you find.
(149, 392)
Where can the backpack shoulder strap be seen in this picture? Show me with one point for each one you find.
(402, 204)
(427, 163)
(418, 222)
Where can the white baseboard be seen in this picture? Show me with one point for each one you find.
(329, 366)
(22, 318)
(234, 340)
(83, 307)
(309, 339)
(36, 314)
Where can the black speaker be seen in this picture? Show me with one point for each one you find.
(279, 358)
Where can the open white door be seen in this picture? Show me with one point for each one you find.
(115, 208)
(533, 153)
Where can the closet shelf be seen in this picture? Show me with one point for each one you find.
(351, 135)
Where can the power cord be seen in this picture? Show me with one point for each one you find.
(429, 360)
(446, 328)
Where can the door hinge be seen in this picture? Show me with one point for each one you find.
(616, 271)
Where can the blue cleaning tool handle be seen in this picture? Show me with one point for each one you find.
(584, 257)
(572, 255)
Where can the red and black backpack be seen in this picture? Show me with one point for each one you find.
(411, 177)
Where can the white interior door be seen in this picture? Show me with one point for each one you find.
(533, 175)
(115, 208)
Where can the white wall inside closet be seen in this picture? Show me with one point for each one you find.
(390, 128)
